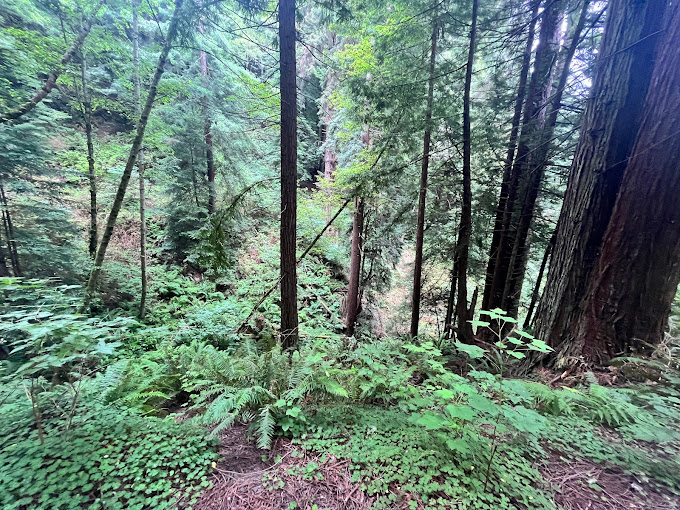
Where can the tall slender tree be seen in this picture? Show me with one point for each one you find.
(465, 226)
(356, 258)
(536, 171)
(612, 118)
(207, 130)
(140, 160)
(422, 195)
(534, 116)
(91, 174)
(510, 156)
(134, 152)
(643, 236)
(289, 312)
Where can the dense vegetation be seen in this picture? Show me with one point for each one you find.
(339, 254)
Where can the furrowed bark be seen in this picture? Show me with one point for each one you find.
(420, 227)
(55, 73)
(132, 158)
(611, 120)
(636, 275)
(289, 312)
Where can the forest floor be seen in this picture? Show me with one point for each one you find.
(293, 477)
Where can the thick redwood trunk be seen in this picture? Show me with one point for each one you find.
(465, 228)
(53, 75)
(540, 88)
(509, 158)
(355, 267)
(422, 195)
(637, 272)
(535, 171)
(611, 120)
(289, 313)
(132, 158)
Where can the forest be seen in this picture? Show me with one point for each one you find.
(339, 254)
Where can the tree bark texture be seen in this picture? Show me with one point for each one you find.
(289, 312)
(611, 121)
(537, 287)
(422, 195)
(540, 88)
(54, 73)
(465, 227)
(132, 158)
(637, 272)
(355, 267)
(510, 156)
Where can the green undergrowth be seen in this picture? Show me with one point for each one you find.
(108, 459)
(397, 460)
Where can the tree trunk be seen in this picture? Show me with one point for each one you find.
(9, 233)
(132, 158)
(537, 286)
(637, 272)
(92, 177)
(465, 228)
(355, 267)
(207, 130)
(611, 120)
(509, 158)
(540, 88)
(420, 227)
(289, 312)
(54, 74)
(140, 162)
(535, 172)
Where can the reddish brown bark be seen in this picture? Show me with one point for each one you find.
(637, 272)
(611, 120)
(289, 312)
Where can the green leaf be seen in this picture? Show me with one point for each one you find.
(473, 351)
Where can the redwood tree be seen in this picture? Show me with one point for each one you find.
(636, 274)
(611, 120)
(289, 312)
